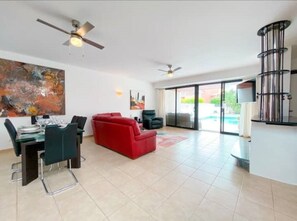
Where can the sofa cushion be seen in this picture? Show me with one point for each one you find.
(118, 114)
(126, 121)
(102, 117)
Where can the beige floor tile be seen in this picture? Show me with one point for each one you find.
(231, 186)
(111, 202)
(118, 178)
(176, 177)
(132, 169)
(8, 212)
(188, 171)
(219, 162)
(211, 211)
(8, 195)
(194, 163)
(285, 191)
(133, 188)
(222, 197)
(257, 182)
(130, 212)
(282, 217)
(37, 207)
(238, 217)
(254, 211)
(230, 175)
(148, 178)
(99, 189)
(165, 187)
(255, 195)
(87, 175)
(149, 200)
(79, 207)
(174, 210)
(286, 207)
(160, 170)
(187, 197)
(210, 169)
(204, 176)
(196, 186)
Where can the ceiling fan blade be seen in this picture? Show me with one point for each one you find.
(52, 26)
(85, 29)
(161, 70)
(176, 69)
(66, 43)
(93, 43)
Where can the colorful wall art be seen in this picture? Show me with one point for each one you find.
(28, 89)
(137, 100)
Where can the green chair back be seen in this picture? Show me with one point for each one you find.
(60, 143)
(13, 133)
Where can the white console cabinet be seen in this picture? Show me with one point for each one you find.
(273, 152)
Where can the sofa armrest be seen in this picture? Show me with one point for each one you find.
(147, 123)
(158, 118)
(146, 134)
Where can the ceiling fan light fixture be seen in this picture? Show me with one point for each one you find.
(170, 74)
(76, 40)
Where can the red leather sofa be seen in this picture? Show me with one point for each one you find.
(122, 135)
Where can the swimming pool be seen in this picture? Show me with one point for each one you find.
(234, 119)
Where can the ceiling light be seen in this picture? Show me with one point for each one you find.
(76, 40)
(170, 74)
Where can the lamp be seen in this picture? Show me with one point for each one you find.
(119, 93)
(170, 74)
(76, 40)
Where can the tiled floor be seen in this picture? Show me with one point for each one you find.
(195, 179)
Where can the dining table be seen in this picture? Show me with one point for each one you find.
(29, 152)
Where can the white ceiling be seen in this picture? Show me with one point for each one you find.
(141, 36)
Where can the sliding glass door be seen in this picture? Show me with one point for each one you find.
(180, 107)
(209, 107)
(170, 107)
(185, 104)
(230, 109)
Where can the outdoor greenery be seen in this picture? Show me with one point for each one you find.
(230, 99)
(216, 101)
(191, 100)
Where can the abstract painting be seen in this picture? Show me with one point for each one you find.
(137, 100)
(28, 89)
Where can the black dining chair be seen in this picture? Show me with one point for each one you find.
(17, 147)
(81, 121)
(60, 145)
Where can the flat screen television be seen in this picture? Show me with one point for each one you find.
(246, 91)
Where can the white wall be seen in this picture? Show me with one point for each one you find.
(87, 92)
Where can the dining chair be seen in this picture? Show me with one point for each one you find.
(33, 119)
(81, 121)
(59, 145)
(16, 147)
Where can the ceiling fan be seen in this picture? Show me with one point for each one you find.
(77, 35)
(170, 71)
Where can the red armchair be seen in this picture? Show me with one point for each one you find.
(122, 135)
